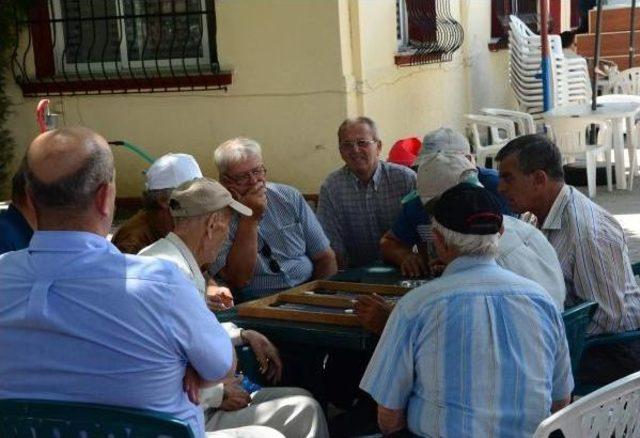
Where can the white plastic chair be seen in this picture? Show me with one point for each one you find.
(523, 122)
(613, 410)
(627, 82)
(502, 130)
(570, 135)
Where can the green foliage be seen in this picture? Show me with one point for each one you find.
(9, 9)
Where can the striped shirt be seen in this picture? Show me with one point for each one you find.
(294, 235)
(478, 352)
(594, 257)
(355, 215)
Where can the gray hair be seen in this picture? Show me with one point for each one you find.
(73, 192)
(152, 199)
(234, 151)
(357, 121)
(469, 244)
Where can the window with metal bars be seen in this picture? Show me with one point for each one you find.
(526, 10)
(119, 46)
(426, 32)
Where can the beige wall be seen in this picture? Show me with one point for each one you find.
(299, 68)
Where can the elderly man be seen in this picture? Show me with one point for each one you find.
(522, 249)
(154, 220)
(282, 244)
(202, 210)
(590, 244)
(360, 201)
(409, 227)
(85, 323)
(19, 220)
(478, 351)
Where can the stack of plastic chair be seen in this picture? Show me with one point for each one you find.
(523, 122)
(501, 131)
(627, 82)
(569, 76)
(571, 137)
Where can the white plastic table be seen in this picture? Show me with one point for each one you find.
(618, 113)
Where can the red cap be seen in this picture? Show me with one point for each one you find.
(405, 151)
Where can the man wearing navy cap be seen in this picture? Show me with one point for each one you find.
(479, 350)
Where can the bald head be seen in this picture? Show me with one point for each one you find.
(65, 169)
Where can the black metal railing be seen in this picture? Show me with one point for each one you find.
(433, 34)
(117, 46)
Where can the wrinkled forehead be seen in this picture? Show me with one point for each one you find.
(357, 130)
(245, 164)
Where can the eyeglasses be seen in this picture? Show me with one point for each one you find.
(359, 143)
(247, 177)
(274, 266)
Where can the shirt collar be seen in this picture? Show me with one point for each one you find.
(67, 241)
(464, 263)
(185, 252)
(553, 221)
(375, 179)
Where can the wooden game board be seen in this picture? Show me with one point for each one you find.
(321, 301)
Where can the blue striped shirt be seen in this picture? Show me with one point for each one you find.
(294, 235)
(355, 215)
(593, 253)
(478, 352)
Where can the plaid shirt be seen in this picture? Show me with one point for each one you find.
(355, 215)
(594, 257)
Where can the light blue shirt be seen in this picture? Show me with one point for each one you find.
(478, 352)
(294, 235)
(80, 321)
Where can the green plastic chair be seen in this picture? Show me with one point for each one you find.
(46, 419)
(594, 341)
(576, 319)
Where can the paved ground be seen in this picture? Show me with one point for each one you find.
(625, 206)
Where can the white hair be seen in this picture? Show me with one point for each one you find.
(469, 244)
(234, 151)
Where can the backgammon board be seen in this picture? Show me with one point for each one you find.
(320, 301)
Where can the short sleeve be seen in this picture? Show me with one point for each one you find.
(389, 375)
(411, 215)
(198, 334)
(329, 218)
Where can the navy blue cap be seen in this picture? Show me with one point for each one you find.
(468, 209)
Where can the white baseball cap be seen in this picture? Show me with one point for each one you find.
(171, 170)
(445, 140)
(441, 171)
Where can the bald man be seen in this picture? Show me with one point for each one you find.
(86, 323)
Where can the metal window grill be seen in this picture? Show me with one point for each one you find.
(117, 46)
(432, 34)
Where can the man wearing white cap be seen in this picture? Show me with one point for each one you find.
(154, 221)
(202, 210)
(396, 244)
(522, 249)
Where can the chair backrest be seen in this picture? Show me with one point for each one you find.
(46, 419)
(495, 126)
(610, 411)
(627, 82)
(523, 122)
(570, 134)
(576, 319)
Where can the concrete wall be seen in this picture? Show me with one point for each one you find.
(299, 68)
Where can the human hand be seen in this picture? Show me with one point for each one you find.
(372, 312)
(391, 420)
(234, 397)
(255, 198)
(219, 298)
(413, 265)
(266, 354)
(191, 384)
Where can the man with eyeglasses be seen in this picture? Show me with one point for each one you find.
(360, 201)
(282, 244)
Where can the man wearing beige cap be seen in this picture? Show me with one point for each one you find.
(202, 209)
(154, 221)
(522, 249)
